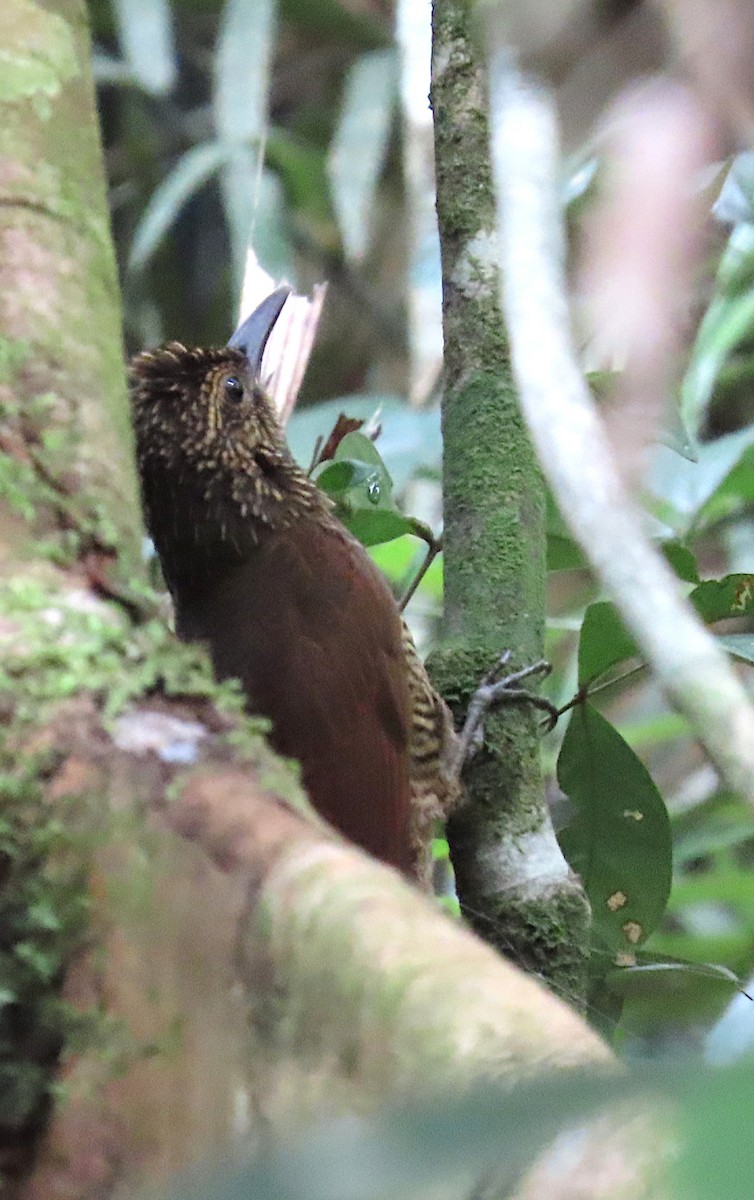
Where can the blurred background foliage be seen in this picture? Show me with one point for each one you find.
(296, 120)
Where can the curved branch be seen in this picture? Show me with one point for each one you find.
(573, 448)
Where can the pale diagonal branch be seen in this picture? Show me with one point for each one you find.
(571, 441)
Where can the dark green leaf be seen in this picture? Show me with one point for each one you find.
(619, 840)
(674, 434)
(301, 168)
(728, 322)
(604, 641)
(339, 476)
(682, 561)
(373, 526)
(719, 599)
(359, 483)
(563, 554)
(670, 993)
(655, 979)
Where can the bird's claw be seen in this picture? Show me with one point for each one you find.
(495, 689)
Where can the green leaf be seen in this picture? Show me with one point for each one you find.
(255, 211)
(242, 70)
(358, 149)
(396, 559)
(727, 324)
(410, 439)
(659, 993)
(358, 445)
(655, 979)
(400, 558)
(374, 527)
(689, 487)
(604, 641)
(563, 554)
(719, 599)
(682, 561)
(192, 171)
(239, 181)
(735, 274)
(674, 433)
(339, 476)
(619, 840)
(360, 484)
(270, 230)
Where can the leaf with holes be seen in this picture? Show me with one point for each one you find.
(619, 840)
(718, 599)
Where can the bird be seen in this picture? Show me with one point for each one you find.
(263, 573)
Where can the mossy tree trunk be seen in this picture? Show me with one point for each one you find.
(60, 321)
(514, 886)
(199, 949)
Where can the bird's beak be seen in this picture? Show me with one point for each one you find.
(252, 334)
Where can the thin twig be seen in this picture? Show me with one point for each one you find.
(587, 690)
(434, 546)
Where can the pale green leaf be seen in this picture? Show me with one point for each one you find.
(191, 172)
(242, 69)
(145, 33)
(359, 146)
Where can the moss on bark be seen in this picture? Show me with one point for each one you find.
(60, 316)
(494, 544)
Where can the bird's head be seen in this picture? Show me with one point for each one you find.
(207, 434)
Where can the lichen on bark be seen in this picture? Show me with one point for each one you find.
(494, 552)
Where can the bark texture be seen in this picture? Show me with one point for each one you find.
(60, 320)
(514, 885)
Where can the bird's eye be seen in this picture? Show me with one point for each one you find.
(233, 388)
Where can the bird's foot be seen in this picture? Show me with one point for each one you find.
(495, 689)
